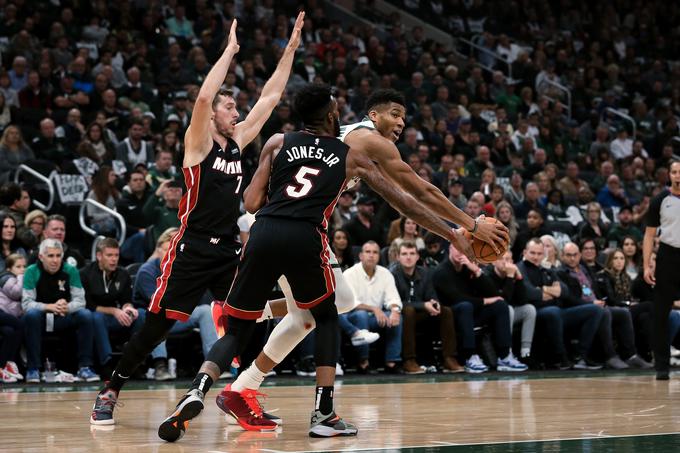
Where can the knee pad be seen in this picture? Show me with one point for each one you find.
(292, 329)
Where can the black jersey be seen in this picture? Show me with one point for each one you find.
(211, 204)
(308, 176)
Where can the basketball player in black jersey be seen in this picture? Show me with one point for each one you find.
(204, 253)
(306, 172)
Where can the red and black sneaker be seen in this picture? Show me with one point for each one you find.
(245, 409)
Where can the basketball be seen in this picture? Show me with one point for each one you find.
(483, 251)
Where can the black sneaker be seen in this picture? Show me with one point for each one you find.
(330, 426)
(662, 375)
(306, 367)
(394, 369)
(174, 427)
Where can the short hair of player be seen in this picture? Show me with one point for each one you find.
(312, 103)
(383, 97)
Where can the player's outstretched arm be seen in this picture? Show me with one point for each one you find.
(255, 195)
(383, 151)
(198, 136)
(246, 131)
(359, 165)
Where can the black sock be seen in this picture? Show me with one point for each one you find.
(117, 381)
(202, 382)
(324, 400)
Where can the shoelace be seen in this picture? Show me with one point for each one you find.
(105, 401)
(250, 396)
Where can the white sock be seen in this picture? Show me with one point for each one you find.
(266, 313)
(525, 352)
(251, 378)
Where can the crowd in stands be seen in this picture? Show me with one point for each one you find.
(104, 91)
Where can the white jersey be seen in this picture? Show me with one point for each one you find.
(344, 132)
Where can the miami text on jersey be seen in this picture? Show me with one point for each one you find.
(228, 167)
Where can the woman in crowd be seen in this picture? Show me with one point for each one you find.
(555, 205)
(593, 227)
(552, 252)
(408, 231)
(589, 251)
(13, 152)
(10, 242)
(105, 192)
(343, 249)
(633, 255)
(11, 324)
(506, 214)
(103, 148)
(615, 287)
(36, 221)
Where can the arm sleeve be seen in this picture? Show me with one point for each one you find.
(28, 294)
(77, 301)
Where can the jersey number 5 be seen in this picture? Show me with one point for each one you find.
(303, 178)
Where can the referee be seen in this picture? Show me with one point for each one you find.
(664, 213)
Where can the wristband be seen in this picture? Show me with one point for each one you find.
(474, 229)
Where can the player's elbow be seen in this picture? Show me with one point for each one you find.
(252, 204)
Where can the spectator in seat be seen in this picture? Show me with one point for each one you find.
(55, 228)
(11, 322)
(552, 252)
(379, 307)
(143, 290)
(133, 149)
(476, 166)
(47, 145)
(364, 227)
(531, 201)
(13, 152)
(408, 231)
(342, 248)
(508, 282)
(161, 209)
(16, 201)
(343, 210)
(53, 299)
(614, 319)
(613, 194)
(624, 227)
(103, 191)
(631, 250)
(162, 170)
(9, 243)
(131, 206)
(108, 294)
(571, 183)
(555, 312)
(421, 309)
(35, 222)
(613, 285)
(471, 294)
(589, 251)
(506, 214)
(594, 227)
(535, 228)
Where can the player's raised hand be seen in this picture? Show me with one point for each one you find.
(294, 41)
(232, 43)
(496, 234)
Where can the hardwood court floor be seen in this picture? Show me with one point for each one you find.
(612, 412)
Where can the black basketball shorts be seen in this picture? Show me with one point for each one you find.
(295, 249)
(193, 264)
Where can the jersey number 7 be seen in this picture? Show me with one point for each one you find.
(303, 178)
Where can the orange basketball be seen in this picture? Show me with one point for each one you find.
(483, 251)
